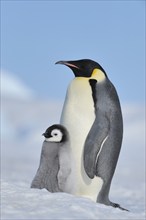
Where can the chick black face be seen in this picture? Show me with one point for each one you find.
(56, 133)
(82, 68)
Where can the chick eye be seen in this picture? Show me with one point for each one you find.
(55, 134)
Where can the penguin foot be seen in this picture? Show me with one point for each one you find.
(105, 200)
(115, 205)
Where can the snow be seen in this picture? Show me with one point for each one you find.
(23, 122)
(21, 202)
(13, 87)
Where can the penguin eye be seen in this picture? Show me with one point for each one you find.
(55, 132)
(56, 135)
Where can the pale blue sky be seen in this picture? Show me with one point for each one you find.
(36, 34)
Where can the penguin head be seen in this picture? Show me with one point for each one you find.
(56, 133)
(83, 68)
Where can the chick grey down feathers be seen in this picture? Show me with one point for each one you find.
(54, 168)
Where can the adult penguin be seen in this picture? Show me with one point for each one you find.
(92, 115)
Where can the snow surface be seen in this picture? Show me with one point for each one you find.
(20, 202)
(23, 122)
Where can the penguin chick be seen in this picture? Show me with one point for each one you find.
(55, 163)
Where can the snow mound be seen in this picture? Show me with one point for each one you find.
(21, 202)
(12, 87)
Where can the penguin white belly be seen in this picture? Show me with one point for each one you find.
(78, 116)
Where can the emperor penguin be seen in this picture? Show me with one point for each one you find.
(93, 117)
(54, 172)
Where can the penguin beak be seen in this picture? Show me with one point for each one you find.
(68, 63)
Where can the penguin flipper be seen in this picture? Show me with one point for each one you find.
(46, 177)
(37, 181)
(45, 180)
(95, 140)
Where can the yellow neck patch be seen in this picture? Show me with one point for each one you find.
(98, 75)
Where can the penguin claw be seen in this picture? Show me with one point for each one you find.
(115, 205)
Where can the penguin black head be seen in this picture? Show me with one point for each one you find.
(82, 68)
(56, 133)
